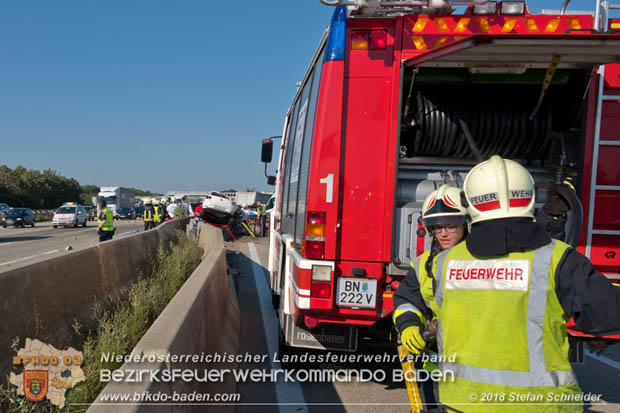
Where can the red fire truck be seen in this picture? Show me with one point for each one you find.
(403, 96)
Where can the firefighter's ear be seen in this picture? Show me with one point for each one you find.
(464, 201)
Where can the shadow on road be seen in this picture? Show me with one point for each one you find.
(322, 396)
(253, 340)
(19, 239)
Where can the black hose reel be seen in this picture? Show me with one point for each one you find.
(497, 128)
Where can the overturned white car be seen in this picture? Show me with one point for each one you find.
(218, 207)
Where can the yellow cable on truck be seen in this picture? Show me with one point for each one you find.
(248, 229)
(409, 373)
(555, 62)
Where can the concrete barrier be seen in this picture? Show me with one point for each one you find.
(44, 299)
(123, 259)
(167, 230)
(209, 238)
(202, 318)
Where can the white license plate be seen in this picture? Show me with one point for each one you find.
(357, 292)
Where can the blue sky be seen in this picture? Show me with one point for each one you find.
(155, 94)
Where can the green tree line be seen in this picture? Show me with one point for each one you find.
(31, 188)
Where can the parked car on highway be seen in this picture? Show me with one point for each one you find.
(218, 204)
(19, 217)
(70, 215)
(126, 213)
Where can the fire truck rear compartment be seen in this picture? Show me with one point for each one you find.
(499, 111)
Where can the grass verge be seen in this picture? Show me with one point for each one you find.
(121, 327)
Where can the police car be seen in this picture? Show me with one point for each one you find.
(70, 214)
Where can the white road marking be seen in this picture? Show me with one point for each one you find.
(290, 396)
(29, 257)
(603, 359)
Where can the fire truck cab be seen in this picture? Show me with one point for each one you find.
(403, 96)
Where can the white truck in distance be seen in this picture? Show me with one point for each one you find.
(250, 198)
(117, 197)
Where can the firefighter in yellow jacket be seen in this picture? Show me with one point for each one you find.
(445, 219)
(503, 298)
(148, 215)
(105, 222)
(158, 214)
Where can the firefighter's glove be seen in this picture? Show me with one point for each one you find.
(411, 337)
(556, 205)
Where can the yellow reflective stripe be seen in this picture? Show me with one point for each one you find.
(408, 308)
(509, 378)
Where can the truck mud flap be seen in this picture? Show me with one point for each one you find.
(328, 337)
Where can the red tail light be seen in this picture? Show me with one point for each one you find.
(315, 235)
(315, 250)
(373, 39)
(378, 39)
(316, 218)
(310, 321)
(359, 40)
(320, 290)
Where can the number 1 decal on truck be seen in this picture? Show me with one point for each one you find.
(329, 190)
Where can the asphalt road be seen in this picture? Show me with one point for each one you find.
(23, 246)
(597, 376)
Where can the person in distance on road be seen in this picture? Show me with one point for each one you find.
(158, 213)
(198, 210)
(504, 296)
(445, 218)
(261, 210)
(170, 209)
(105, 222)
(148, 215)
(187, 208)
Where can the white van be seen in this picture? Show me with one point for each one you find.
(70, 214)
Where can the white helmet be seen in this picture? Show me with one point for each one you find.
(499, 188)
(443, 206)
